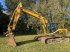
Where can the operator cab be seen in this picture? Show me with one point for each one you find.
(52, 27)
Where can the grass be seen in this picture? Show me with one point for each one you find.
(25, 44)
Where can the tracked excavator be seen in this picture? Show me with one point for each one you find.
(44, 38)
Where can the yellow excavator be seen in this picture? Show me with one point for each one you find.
(43, 20)
(14, 20)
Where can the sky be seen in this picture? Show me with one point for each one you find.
(3, 4)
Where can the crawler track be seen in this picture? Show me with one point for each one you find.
(52, 39)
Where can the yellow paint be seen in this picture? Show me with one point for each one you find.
(16, 15)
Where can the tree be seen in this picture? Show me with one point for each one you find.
(4, 20)
(54, 10)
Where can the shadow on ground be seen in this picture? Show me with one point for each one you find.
(25, 42)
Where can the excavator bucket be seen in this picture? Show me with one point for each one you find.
(10, 38)
(9, 34)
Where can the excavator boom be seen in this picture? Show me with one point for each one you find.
(16, 15)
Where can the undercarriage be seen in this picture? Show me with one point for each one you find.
(52, 39)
